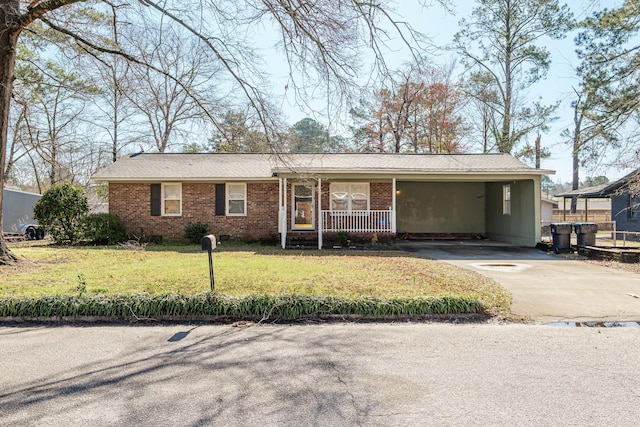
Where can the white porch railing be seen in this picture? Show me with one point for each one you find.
(358, 221)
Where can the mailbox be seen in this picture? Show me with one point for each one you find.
(208, 242)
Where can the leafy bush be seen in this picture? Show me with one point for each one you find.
(105, 228)
(194, 232)
(343, 238)
(61, 211)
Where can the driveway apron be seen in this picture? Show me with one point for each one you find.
(544, 287)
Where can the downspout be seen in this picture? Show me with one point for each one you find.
(319, 220)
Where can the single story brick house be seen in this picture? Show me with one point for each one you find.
(267, 196)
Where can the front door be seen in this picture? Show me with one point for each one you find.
(302, 211)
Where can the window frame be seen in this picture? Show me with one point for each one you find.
(349, 196)
(506, 199)
(164, 198)
(228, 199)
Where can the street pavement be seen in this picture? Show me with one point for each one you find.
(345, 374)
(544, 287)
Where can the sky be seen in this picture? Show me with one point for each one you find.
(441, 27)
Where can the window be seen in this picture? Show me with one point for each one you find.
(506, 199)
(172, 199)
(237, 199)
(634, 207)
(349, 196)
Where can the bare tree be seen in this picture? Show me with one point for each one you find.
(319, 39)
(184, 93)
(502, 39)
(419, 111)
(58, 99)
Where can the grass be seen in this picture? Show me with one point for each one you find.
(241, 271)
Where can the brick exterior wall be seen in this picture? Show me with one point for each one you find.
(132, 203)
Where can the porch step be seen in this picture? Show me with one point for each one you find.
(302, 242)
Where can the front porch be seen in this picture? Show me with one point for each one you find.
(315, 207)
(500, 208)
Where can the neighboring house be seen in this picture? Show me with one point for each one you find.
(625, 200)
(267, 196)
(546, 210)
(599, 208)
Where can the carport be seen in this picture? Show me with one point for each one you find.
(501, 207)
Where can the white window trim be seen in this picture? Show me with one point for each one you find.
(227, 193)
(349, 197)
(163, 198)
(506, 199)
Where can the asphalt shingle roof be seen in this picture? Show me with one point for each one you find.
(220, 166)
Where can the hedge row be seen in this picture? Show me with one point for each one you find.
(284, 307)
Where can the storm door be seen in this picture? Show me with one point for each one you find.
(302, 211)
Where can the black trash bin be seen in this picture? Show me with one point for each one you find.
(561, 234)
(586, 232)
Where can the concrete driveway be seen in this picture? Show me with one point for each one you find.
(545, 287)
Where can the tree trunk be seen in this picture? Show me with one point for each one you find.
(505, 144)
(8, 41)
(538, 151)
(577, 137)
(576, 179)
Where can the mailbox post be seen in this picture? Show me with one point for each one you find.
(208, 243)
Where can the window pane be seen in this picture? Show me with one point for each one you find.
(339, 195)
(339, 204)
(361, 187)
(236, 206)
(172, 206)
(303, 190)
(359, 205)
(172, 191)
(506, 199)
(236, 191)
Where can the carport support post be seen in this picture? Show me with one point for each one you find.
(393, 205)
(320, 219)
(283, 232)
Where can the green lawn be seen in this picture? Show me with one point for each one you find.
(241, 271)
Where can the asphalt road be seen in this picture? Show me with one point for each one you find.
(325, 375)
